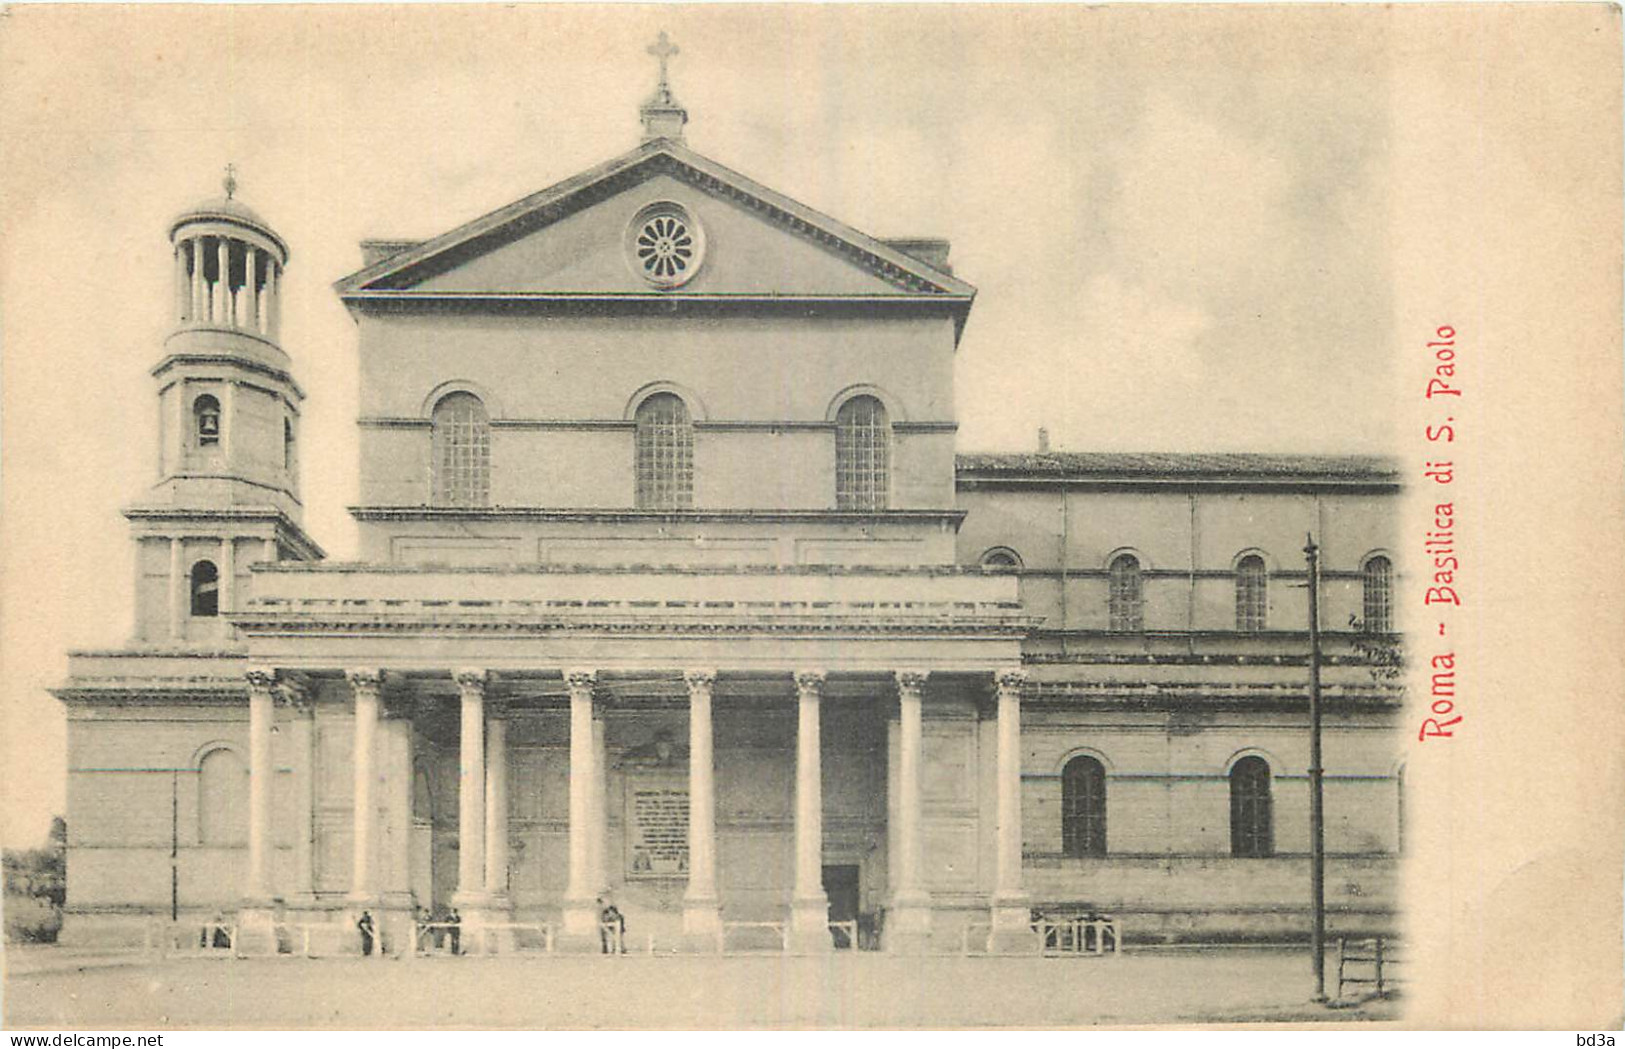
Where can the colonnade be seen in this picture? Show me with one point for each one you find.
(483, 806)
(251, 303)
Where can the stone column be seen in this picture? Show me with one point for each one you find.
(222, 288)
(809, 906)
(908, 926)
(580, 906)
(251, 298)
(273, 301)
(180, 440)
(257, 916)
(199, 301)
(228, 422)
(261, 770)
(228, 584)
(496, 806)
(598, 811)
(702, 911)
(394, 922)
(1012, 928)
(470, 896)
(183, 284)
(304, 793)
(365, 685)
(178, 590)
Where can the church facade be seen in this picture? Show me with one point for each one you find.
(673, 591)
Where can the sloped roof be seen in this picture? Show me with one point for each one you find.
(1038, 467)
(913, 276)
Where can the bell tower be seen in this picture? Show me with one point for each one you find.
(227, 493)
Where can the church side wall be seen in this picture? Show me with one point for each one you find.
(1187, 543)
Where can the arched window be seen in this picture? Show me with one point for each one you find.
(461, 470)
(205, 589)
(1083, 807)
(665, 454)
(287, 445)
(206, 421)
(1378, 580)
(1001, 557)
(1252, 594)
(1252, 833)
(862, 455)
(1125, 603)
(222, 809)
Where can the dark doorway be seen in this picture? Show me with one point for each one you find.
(841, 886)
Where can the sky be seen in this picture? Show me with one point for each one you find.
(1175, 219)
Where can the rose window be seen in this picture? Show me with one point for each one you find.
(665, 245)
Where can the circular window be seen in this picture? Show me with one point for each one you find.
(665, 244)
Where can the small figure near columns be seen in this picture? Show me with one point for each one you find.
(809, 906)
(908, 925)
(702, 911)
(1012, 930)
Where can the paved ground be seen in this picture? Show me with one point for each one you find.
(844, 991)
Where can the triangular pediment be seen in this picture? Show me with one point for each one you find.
(579, 238)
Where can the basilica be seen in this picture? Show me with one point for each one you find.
(674, 593)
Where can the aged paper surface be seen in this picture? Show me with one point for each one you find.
(1472, 156)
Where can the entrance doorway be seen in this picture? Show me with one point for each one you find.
(841, 886)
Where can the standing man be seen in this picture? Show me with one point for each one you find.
(365, 925)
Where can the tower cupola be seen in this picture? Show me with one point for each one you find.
(228, 271)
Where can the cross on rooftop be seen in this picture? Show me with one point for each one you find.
(663, 49)
(230, 181)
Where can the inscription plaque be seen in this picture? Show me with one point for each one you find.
(657, 827)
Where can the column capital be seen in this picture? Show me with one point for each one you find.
(810, 682)
(470, 680)
(260, 679)
(911, 682)
(699, 680)
(1009, 679)
(580, 679)
(295, 695)
(365, 680)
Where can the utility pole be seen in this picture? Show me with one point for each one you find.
(1317, 816)
(174, 846)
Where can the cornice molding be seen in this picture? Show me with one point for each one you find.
(628, 514)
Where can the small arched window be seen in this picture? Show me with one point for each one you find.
(1377, 580)
(1126, 603)
(1252, 832)
(222, 809)
(1083, 807)
(862, 455)
(205, 589)
(287, 445)
(461, 468)
(1252, 594)
(1001, 557)
(665, 453)
(206, 421)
